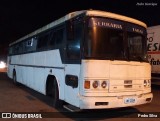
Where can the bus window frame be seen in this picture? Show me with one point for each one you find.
(75, 21)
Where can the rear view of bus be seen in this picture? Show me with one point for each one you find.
(115, 70)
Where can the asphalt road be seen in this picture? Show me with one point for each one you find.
(22, 100)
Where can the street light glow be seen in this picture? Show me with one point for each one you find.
(2, 64)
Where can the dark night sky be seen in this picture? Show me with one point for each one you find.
(21, 17)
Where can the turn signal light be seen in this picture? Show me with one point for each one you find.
(87, 84)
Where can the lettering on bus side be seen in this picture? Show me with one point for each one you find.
(152, 46)
(154, 61)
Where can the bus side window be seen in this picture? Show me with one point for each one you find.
(70, 30)
(43, 40)
(56, 38)
(31, 44)
(73, 47)
(59, 36)
(10, 50)
(16, 49)
(52, 39)
(20, 47)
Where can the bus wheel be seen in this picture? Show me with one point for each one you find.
(14, 77)
(57, 103)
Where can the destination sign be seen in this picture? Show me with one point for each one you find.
(107, 23)
(135, 28)
(116, 24)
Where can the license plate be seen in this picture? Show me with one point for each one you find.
(129, 100)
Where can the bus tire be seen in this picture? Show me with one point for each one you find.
(57, 103)
(14, 77)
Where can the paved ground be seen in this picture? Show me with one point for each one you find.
(21, 99)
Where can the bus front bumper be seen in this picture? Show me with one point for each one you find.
(114, 102)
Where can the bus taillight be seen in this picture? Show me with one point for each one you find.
(104, 84)
(87, 84)
(95, 84)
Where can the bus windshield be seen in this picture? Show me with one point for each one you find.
(136, 44)
(107, 39)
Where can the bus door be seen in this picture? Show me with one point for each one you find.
(72, 66)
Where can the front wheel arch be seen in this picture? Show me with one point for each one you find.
(52, 90)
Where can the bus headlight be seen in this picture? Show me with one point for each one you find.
(95, 84)
(104, 84)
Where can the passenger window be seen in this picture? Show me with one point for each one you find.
(30, 42)
(73, 47)
(59, 36)
(43, 40)
(52, 40)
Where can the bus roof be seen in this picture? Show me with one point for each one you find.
(87, 13)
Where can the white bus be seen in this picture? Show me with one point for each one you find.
(88, 59)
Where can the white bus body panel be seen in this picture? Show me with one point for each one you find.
(33, 69)
(71, 94)
(116, 72)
